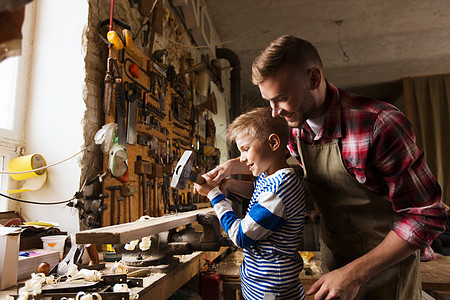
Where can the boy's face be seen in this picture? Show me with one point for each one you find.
(256, 155)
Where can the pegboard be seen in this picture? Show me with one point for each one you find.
(166, 124)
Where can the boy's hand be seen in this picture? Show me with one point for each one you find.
(204, 189)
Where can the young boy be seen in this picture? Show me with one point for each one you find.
(273, 226)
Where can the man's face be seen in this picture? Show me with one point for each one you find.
(289, 97)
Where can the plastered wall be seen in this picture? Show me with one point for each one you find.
(55, 106)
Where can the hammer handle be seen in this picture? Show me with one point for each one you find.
(196, 178)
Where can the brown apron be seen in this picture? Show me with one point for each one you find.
(354, 220)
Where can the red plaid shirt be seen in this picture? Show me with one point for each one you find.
(378, 148)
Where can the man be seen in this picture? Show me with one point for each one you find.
(378, 199)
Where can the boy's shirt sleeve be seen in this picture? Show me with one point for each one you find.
(265, 217)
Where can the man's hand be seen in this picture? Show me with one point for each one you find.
(225, 169)
(337, 284)
(220, 172)
(205, 188)
(344, 283)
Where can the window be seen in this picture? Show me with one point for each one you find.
(12, 112)
(8, 84)
(8, 79)
(8, 119)
(2, 159)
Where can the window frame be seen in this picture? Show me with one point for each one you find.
(12, 141)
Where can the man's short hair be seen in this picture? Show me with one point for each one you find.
(260, 124)
(287, 53)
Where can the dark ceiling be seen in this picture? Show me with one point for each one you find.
(362, 43)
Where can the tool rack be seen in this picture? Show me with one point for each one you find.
(166, 124)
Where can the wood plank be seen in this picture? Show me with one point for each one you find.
(165, 286)
(123, 233)
(436, 273)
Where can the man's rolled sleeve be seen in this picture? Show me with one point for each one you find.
(413, 189)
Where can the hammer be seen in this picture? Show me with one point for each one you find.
(183, 172)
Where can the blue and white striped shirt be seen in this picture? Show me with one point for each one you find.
(269, 234)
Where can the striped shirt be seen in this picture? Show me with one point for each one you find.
(378, 148)
(269, 234)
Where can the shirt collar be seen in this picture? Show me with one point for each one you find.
(332, 124)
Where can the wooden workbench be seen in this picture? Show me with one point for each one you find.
(435, 274)
(161, 286)
(158, 285)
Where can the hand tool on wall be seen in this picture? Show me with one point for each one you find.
(158, 89)
(144, 117)
(155, 111)
(151, 194)
(143, 168)
(129, 208)
(113, 40)
(166, 192)
(129, 190)
(109, 81)
(133, 94)
(121, 108)
(183, 172)
(113, 190)
(109, 77)
(119, 203)
(157, 172)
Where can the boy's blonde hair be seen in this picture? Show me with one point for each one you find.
(260, 124)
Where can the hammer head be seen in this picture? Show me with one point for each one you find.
(182, 171)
